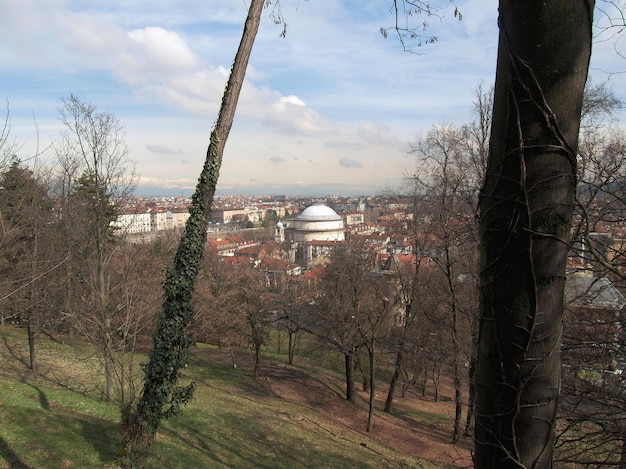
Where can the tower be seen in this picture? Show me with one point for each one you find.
(279, 233)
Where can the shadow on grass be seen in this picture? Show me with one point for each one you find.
(103, 436)
(11, 457)
(51, 439)
(14, 351)
(255, 441)
(43, 399)
(17, 350)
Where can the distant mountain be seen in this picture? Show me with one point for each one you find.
(271, 189)
(149, 191)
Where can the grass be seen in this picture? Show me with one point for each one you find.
(57, 419)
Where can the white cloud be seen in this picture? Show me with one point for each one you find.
(289, 115)
(376, 133)
(169, 183)
(160, 50)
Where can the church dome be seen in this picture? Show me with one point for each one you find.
(315, 232)
(317, 222)
(318, 212)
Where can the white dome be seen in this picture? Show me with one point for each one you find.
(318, 212)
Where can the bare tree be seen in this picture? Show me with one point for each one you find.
(249, 299)
(354, 312)
(412, 32)
(406, 277)
(216, 320)
(293, 302)
(591, 429)
(477, 150)
(601, 195)
(138, 270)
(337, 311)
(8, 149)
(442, 171)
(93, 153)
(379, 306)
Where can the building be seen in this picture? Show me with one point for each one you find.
(316, 223)
(314, 233)
(135, 221)
(593, 333)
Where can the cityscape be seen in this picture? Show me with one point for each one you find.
(406, 244)
(302, 230)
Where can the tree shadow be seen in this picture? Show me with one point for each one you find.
(13, 352)
(43, 399)
(16, 351)
(103, 436)
(14, 461)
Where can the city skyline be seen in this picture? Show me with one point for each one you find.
(332, 108)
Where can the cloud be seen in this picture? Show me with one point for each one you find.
(343, 145)
(169, 183)
(163, 48)
(161, 149)
(160, 65)
(349, 163)
(376, 133)
(290, 115)
(277, 159)
(157, 63)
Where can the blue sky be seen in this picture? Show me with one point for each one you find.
(331, 108)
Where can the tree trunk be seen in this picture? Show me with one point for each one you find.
(279, 340)
(622, 461)
(31, 344)
(349, 359)
(31, 306)
(456, 349)
(458, 407)
(291, 346)
(437, 368)
(471, 402)
(370, 414)
(394, 378)
(365, 385)
(109, 363)
(525, 218)
(170, 341)
(458, 397)
(257, 360)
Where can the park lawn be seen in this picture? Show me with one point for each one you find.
(57, 418)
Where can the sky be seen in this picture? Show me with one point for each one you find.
(332, 108)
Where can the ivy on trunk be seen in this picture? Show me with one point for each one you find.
(162, 397)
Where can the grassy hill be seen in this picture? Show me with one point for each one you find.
(292, 417)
